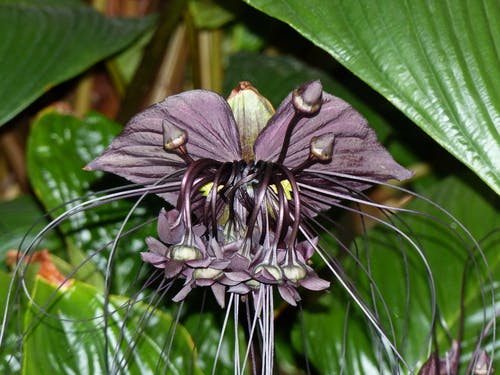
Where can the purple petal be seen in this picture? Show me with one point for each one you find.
(239, 289)
(199, 263)
(172, 269)
(289, 294)
(356, 150)
(156, 260)
(205, 282)
(237, 276)
(313, 282)
(167, 230)
(232, 247)
(219, 264)
(219, 293)
(156, 246)
(306, 248)
(240, 263)
(266, 277)
(138, 154)
(182, 293)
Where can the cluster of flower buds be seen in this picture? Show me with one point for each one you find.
(190, 255)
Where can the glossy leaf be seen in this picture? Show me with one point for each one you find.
(43, 43)
(448, 258)
(436, 61)
(75, 344)
(59, 147)
(9, 350)
(21, 219)
(336, 338)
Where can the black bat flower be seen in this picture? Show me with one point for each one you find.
(245, 191)
(244, 181)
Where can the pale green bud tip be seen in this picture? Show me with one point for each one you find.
(321, 147)
(207, 273)
(294, 272)
(184, 253)
(308, 97)
(274, 271)
(173, 137)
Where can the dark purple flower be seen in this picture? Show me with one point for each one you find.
(244, 180)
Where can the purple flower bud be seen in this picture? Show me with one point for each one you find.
(321, 147)
(307, 98)
(173, 137)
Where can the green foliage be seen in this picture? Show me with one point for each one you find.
(405, 286)
(44, 43)
(20, 222)
(436, 61)
(58, 148)
(68, 325)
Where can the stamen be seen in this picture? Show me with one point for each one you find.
(259, 199)
(211, 209)
(197, 168)
(296, 203)
(282, 213)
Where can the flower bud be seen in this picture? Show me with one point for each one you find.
(307, 98)
(273, 270)
(184, 253)
(207, 273)
(173, 137)
(483, 364)
(321, 147)
(294, 272)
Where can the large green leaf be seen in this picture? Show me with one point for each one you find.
(59, 147)
(66, 335)
(43, 43)
(399, 283)
(21, 220)
(437, 61)
(9, 350)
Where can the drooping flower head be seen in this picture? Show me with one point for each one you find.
(244, 180)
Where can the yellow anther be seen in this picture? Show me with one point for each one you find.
(287, 188)
(205, 189)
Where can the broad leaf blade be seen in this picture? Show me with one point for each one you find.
(21, 219)
(43, 43)
(405, 286)
(436, 61)
(59, 147)
(9, 350)
(74, 344)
